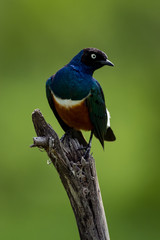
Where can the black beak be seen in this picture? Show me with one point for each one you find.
(107, 62)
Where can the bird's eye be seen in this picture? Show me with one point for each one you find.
(93, 56)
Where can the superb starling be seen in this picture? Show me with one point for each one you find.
(77, 99)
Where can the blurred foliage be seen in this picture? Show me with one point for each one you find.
(39, 37)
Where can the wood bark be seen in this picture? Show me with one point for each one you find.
(78, 176)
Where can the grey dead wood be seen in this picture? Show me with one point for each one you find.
(78, 176)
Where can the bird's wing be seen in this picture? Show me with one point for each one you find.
(51, 103)
(97, 111)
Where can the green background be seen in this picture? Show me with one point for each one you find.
(36, 39)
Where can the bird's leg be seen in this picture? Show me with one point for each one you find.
(88, 145)
(67, 133)
(88, 148)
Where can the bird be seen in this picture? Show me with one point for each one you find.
(77, 99)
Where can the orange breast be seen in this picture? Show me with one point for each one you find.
(76, 116)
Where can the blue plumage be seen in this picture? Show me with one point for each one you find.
(71, 83)
(74, 85)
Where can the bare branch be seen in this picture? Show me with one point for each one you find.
(78, 176)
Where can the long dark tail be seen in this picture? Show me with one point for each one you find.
(109, 135)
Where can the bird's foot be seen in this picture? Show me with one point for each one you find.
(82, 148)
(86, 155)
(87, 151)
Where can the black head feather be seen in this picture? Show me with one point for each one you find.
(95, 58)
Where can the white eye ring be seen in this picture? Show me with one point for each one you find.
(93, 56)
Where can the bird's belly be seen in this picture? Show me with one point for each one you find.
(74, 113)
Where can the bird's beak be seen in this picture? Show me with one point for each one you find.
(107, 62)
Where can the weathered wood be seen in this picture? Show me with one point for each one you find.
(78, 176)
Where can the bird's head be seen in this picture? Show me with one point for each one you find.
(90, 59)
(95, 58)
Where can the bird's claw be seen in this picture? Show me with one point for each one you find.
(87, 151)
(86, 155)
(82, 148)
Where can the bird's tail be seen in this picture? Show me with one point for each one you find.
(109, 135)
